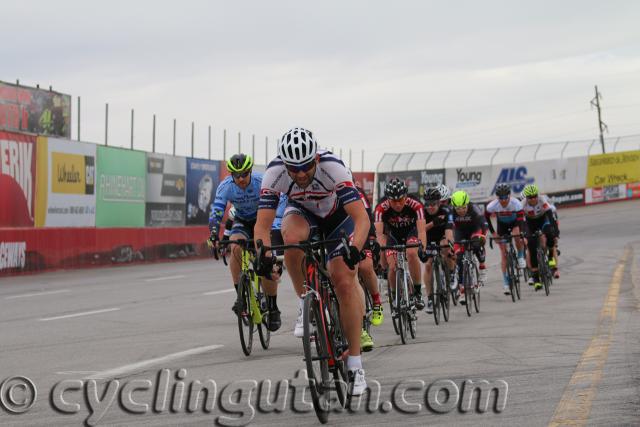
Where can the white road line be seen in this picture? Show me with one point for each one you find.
(76, 372)
(157, 279)
(84, 313)
(219, 292)
(116, 372)
(36, 294)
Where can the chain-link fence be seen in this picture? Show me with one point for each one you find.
(394, 162)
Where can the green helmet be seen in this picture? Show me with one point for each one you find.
(530, 190)
(459, 199)
(239, 163)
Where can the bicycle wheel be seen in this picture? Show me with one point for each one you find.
(245, 322)
(476, 288)
(444, 293)
(338, 342)
(263, 332)
(516, 276)
(542, 270)
(316, 356)
(466, 276)
(437, 286)
(412, 323)
(400, 302)
(512, 277)
(368, 310)
(392, 308)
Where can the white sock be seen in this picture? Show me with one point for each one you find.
(354, 363)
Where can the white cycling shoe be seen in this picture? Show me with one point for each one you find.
(357, 382)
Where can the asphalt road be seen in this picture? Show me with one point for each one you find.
(572, 356)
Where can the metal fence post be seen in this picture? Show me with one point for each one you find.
(444, 161)
(535, 154)
(593, 141)
(253, 146)
(468, 157)
(615, 146)
(132, 128)
(266, 150)
(564, 147)
(193, 130)
(153, 135)
(495, 153)
(361, 160)
(174, 137)
(106, 124)
(209, 139)
(426, 162)
(239, 143)
(516, 155)
(78, 119)
(349, 158)
(224, 145)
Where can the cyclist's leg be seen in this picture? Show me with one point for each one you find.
(296, 227)
(390, 256)
(271, 290)
(238, 232)
(415, 270)
(370, 281)
(504, 230)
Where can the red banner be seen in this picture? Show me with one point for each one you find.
(17, 179)
(365, 180)
(37, 249)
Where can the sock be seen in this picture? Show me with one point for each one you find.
(417, 289)
(235, 285)
(376, 299)
(272, 302)
(430, 297)
(354, 363)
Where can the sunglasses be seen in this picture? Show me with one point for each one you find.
(238, 175)
(301, 168)
(532, 197)
(433, 203)
(504, 197)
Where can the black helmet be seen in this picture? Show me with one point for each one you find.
(432, 195)
(396, 189)
(503, 190)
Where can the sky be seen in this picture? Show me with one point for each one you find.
(370, 76)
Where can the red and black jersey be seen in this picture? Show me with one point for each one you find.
(400, 223)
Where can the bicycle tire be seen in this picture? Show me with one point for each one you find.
(245, 322)
(512, 276)
(401, 314)
(368, 310)
(392, 309)
(338, 343)
(542, 270)
(263, 332)
(444, 293)
(467, 288)
(437, 281)
(517, 278)
(315, 339)
(476, 289)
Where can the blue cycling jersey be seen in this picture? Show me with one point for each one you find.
(244, 201)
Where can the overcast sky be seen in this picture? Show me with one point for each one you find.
(384, 76)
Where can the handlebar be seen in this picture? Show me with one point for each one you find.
(402, 248)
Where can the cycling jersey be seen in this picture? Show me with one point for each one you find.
(507, 216)
(367, 206)
(400, 224)
(330, 190)
(244, 201)
(539, 209)
(469, 223)
(445, 222)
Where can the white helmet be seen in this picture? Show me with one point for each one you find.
(445, 194)
(297, 147)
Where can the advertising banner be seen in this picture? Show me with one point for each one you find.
(417, 181)
(556, 175)
(26, 109)
(17, 179)
(166, 190)
(65, 190)
(366, 181)
(121, 179)
(203, 177)
(633, 190)
(605, 194)
(613, 169)
(567, 198)
(479, 181)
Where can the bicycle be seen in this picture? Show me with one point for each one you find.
(403, 311)
(470, 277)
(252, 308)
(512, 264)
(368, 307)
(544, 272)
(441, 282)
(324, 343)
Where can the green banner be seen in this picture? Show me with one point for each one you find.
(121, 182)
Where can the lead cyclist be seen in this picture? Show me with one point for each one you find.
(322, 198)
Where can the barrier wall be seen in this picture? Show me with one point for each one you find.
(39, 249)
(17, 179)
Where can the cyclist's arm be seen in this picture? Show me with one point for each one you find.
(422, 231)
(219, 205)
(262, 230)
(362, 223)
(487, 216)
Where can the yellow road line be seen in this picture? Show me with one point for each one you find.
(575, 406)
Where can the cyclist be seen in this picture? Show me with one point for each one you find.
(402, 217)
(322, 198)
(242, 190)
(468, 225)
(439, 226)
(509, 215)
(539, 215)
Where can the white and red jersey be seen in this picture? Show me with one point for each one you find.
(539, 209)
(332, 186)
(509, 214)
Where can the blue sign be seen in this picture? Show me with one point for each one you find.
(203, 177)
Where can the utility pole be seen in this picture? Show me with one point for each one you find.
(595, 102)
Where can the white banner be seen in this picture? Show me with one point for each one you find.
(476, 181)
(65, 192)
(554, 176)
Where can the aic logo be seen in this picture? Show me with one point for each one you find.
(515, 177)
